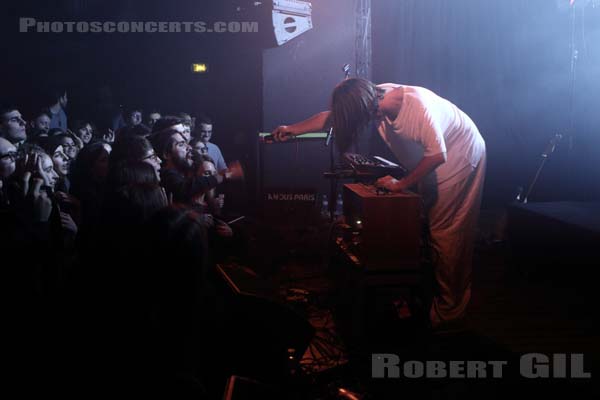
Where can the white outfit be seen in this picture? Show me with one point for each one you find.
(425, 126)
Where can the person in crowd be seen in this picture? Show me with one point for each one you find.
(187, 119)
(133, 118)
(129, 173)
(88, 177)
(40, 124)
(35, 178)
(205, 134)
(177, 174)
(135, 130)
(12, 126)
(83, 130)
(69, 143)
(135, 149)
(116, 291)
(213, 204)
(54, 148)
(106, 135)
(153, 116)
(174, 123)
(57, 103)
(199, 149)
(188, 123)
(133, 200)
(8, 158)
(180, 292)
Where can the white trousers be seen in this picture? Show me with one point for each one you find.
(453, 222)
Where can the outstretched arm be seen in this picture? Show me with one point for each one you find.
(315, 123)
(423, 168)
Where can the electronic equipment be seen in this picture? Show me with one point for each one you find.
(374, 166)
(386, 227)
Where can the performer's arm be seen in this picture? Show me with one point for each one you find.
(427, 165)
(424, 167)
(316, 123)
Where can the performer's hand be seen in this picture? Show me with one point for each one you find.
(282, 133)
(392, 184)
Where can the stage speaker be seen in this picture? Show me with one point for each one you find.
(266, 338)
(291, 182)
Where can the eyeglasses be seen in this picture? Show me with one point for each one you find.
(152, 157)
(13, 156)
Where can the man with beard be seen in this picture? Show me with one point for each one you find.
(178, 175)
(40, 124)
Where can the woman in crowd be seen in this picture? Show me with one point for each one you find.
(88, 176)
(83, 130)
(135, 148)
(52, 145)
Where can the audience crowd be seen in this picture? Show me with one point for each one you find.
(110, 238)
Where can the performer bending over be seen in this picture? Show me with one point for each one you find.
(445, 152)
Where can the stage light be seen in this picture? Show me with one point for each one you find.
(199, 68)
(291, 18)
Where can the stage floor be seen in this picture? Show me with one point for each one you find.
(510, 314)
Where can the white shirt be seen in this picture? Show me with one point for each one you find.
(428, 125)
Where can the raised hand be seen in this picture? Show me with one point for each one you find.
(109, 136)
(67, 222)
(40, 173)
(42, 204)
(235, 171)
(78, 142)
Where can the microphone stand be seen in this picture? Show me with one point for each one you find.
(332, 174)
(544, 157)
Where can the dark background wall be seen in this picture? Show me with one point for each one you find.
(508, 65)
